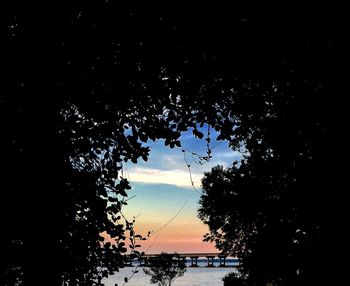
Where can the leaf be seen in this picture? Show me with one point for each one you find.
(133, 255)
(143, 137)
(112, 200)
(123, 193)
(134, 131)
(220, 137)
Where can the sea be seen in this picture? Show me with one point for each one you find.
(194, 276)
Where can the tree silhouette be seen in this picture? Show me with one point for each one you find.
(279, 208)
(165, 268)
(86, 84)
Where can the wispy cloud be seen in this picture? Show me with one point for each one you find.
(175, 177)
(170, 166)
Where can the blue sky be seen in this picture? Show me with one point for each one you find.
(165, 202)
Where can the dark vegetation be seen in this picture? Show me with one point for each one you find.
(86, 82)
(280, 209)
(165, 268)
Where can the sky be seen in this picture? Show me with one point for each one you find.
(163, 200)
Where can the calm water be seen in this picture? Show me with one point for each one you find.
(200, 276)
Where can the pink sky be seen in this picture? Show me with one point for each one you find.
(165, 198)
(182, 238)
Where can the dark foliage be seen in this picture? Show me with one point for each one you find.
(281, 209)
(234, 279)
(165, 268)
(88, 82)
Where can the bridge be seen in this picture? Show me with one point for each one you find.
(143, 260)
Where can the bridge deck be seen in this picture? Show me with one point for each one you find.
(194, 254)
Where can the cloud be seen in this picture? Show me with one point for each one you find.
(169, 166)
(229, 154)
(175, 177)
(173, 161)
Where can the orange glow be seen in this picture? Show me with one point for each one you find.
(158, 245)
(183, 234)
(180, 237)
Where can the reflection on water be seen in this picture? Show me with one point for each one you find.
(199, 276)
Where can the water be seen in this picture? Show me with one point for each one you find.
(194, 276)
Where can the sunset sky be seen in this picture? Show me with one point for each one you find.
(165, 202)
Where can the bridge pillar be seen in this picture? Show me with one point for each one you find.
(194, 261)
(222, 260)
(142, 261)
(128, 262)
(210, 261)
(182, 260)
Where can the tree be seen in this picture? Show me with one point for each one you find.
(165, 268)
(274, 209)
(234, 279)
(81, 97)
